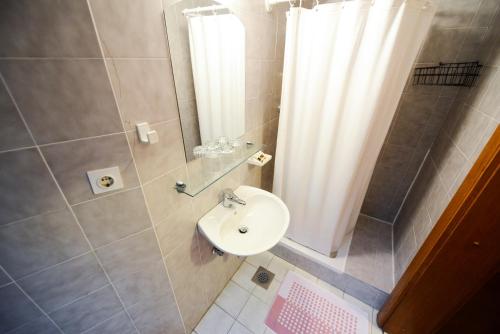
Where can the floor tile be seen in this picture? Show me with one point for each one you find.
(253, 315)
(279, 267)
(262, 259)
(365, 307)
(239, 329)
(232, 299)
(267, 295)
(243, 277)
(215, 321)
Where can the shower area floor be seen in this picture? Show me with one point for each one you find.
(364, 265)
(370, 256)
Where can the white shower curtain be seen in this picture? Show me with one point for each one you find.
(217, 44)
(345, 68)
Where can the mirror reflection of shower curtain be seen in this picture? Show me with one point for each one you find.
(345, 68)
(217, 44)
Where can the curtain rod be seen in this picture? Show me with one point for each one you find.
(204, 9)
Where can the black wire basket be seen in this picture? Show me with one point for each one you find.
(448, 74)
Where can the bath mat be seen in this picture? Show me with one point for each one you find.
(302, 307)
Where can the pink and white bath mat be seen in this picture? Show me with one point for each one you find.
(302, 307)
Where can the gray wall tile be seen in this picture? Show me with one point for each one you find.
(129, 255)
(119, 323)
(129, 28)
(144, 90)
(113, 217)
(456, 13)
(157, 315)
(63, 283)
(412, 117)
(442, 45)
(4, 279)
(490, 104)
(63, 99)
(176, 229)
(184, 267)
(15, 308)
(39, 242)
(27, 187)
(47, 28)
(161, 196)
(162, 157)
(150, 281)
(88, 311)
(13, 133)
(71, 160)
(41, 325)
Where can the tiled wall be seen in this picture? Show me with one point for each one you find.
(75, 78)
(472, 119)
(460, 32)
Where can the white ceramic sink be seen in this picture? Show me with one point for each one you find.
(264, 216)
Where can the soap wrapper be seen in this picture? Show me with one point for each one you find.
(259, 159)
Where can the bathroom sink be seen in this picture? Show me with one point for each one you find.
(249, 229)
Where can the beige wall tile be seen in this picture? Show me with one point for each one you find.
(36, 243)
(13, 132)
(69, 161)
(158, 159)
(129, 28)
(114, 217)
(144, 90)
(47, 28)
(63, 99)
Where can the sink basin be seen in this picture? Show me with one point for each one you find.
(249, 229)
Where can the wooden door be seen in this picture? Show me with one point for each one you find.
(460, 255)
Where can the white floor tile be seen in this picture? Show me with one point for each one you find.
(331, 288)
(243, 277)
(232, 299)
(253, 315)
(267, 295)
(239, 329)
(269, 331)
(304, 274)
(261, 259)
(279, 267)
(215, 321)
(365, 307)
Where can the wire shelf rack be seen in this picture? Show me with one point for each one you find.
(448, 74)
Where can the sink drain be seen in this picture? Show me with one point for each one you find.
(263, 277)
(243, 229)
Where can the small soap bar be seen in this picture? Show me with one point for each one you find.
(259, 159)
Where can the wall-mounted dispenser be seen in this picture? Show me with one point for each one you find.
(146, 135)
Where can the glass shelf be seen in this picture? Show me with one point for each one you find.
(204, 172)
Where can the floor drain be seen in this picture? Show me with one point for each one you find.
(263, 277)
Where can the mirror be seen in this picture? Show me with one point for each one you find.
(207, 48)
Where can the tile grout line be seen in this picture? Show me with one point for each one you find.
(101, 322)
(2, 79)
(52, 266)
(116, 192)
(17, 149)
(32, 301)
(136, 170)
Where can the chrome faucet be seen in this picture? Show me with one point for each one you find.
(229, 196)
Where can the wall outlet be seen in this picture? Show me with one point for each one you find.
(104, 180)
